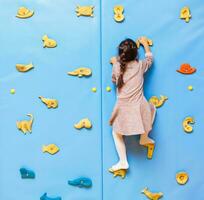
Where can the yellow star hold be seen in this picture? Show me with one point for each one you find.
(120, 172)
(12, 91)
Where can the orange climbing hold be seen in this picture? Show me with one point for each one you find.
(186, 69)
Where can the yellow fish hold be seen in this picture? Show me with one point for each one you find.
(85, 11)
(80, 72)
(150, 42)
(49, 43)
(24, 68)
(182, 178)
(118, 13)
(186, 124)
(185, 14)
(84, 123)
(152, 196)
(50, 103)
(25, 125)
(24, 13)
(120, 172)
(51, 149)
(158, 102)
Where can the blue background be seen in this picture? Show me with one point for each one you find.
(90, 42)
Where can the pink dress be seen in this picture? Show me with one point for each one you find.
(132, 114)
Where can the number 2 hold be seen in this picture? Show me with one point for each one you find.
(45, 197)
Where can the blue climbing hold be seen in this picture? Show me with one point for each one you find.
(27, 174)
(81, 182)
(45, 197)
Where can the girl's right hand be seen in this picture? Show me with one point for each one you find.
(143, 40)
(113, 60)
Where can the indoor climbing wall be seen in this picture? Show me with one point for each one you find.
(56, 98)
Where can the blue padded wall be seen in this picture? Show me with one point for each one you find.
(90, 42)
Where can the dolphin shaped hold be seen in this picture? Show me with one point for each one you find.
(81, 182)
(27, 174)
(45, 197)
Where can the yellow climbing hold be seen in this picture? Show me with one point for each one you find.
(49, 43)
(118, 13)
(25, 125)
(23, 67)
(50, 103)
(185, 14)
(24, 13)
(108, 88)
(12, 91)
(83, 123)
(158, 102)
(94, 89)
(152, 196)
(82, 71)
(150, 42)
(182, 178)
(51, 149)
(120, 172)
(190, 87)
(85, 11)
(186, 124)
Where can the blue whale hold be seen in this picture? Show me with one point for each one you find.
(45, 197)
(27, 174)
(81, 182)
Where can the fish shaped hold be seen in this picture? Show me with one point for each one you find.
(49, 43)
(51, 149)
(45, 197)
(81, 182)
(27, 174)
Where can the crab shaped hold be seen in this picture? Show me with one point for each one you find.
(85, 11)
(24, 13)
(185, 14)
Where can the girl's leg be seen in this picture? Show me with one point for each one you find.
(145, 139)
(121, 150)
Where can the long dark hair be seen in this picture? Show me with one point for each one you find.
(127, 52)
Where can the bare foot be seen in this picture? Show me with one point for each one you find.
(146, 140)
(119, 166)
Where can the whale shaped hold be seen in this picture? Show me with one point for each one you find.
(25, 125)
(158, 102)
(186, 69)
(24, 13)
(83, 123)
(118, 13)
(23, 67)
(185, 14)
(152, 196)
(45, 197)
(182, 178)
(51, 149)
(50, 103)
(27, 174)
(81, 182)
(49, 43)
(85, 11)
(82, 71)
(186, 124)
(150, 42)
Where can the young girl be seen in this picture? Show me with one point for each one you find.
(132, 114)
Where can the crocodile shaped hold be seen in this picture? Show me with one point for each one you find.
(82, 71)
(81, 182)
(158, 102)
(24, 13)
(152, 196)
(25, 125)
(23, 67)
(50, 103)
(85, 11)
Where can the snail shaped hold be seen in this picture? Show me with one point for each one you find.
(81, 72)
(182, 178)
(152, 196)
(49, 43)
(85, 11)
(158, 102)
(118, 13)
(24, 13)
(50, 103)
(185, 14)
(24, 68)
(150, 42)
(83, 123)
(186, 124)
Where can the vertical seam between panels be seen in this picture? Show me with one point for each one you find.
(101, 95)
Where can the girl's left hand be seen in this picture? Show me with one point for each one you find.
(113, 60)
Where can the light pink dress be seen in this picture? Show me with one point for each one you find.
(132, 114)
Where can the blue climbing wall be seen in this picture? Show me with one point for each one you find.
(90, 42)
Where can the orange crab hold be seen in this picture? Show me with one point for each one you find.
(186, 69)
